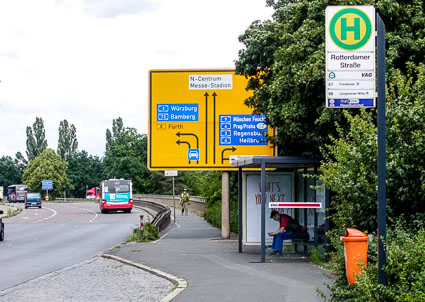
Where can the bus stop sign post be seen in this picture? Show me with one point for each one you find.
(382, 186)
(337, 38)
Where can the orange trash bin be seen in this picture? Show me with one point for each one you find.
(355, 252)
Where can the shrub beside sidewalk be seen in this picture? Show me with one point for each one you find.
(405, 270)
(150, 233)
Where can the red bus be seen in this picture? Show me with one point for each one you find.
(116, 194)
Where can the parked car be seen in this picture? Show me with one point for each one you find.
(32, 200)
(1, 227)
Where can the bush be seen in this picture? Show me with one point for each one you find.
(150, 233)
(212, 192)
(405, 270)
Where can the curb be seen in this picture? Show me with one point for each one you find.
(181, 284)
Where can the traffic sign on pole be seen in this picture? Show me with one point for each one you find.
(47, 184)
(197, 119)
(350, 57)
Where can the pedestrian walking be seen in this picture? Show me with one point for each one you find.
(184, 202)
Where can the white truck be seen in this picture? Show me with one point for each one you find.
(1, 193)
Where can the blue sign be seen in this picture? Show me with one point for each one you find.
(47, 184)
(117, 197)
(243, 129)
(351, 103)
(177, 112)
(193, 154)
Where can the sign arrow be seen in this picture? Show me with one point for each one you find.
(214, 95)
(233, 149)
(183, 142)
(197, 140)
(206, 126)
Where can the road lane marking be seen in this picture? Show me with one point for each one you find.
(51, 216)
(95, 215)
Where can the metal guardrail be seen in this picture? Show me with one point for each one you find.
(154, 196)
(163, 213)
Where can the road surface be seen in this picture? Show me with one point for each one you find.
(40, 241)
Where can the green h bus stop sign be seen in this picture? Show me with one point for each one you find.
(350, 57)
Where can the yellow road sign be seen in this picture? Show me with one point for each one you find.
(197, 120)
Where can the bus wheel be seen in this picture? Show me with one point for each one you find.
(128, 211)
(104, 211)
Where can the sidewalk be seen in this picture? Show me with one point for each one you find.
(215, 271)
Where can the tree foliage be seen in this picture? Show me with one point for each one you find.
(84, 171)
(9, 172)
(47, 166)
(126, 157)
(208, 184)
(285, 60)
(36, 139)
(350, 166)
(67, 142)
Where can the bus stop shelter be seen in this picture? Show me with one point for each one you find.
(267, 164)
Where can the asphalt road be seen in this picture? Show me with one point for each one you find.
(40, 241)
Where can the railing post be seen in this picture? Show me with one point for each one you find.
(141, 227)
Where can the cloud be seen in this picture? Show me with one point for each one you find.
(114, 8)
(13, 54)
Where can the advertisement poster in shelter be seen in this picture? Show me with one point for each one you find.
(279, 187)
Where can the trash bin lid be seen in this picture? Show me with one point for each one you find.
(354, 235)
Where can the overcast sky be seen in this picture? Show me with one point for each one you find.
(87, 61)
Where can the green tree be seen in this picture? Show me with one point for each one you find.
(350, 166)
(84, 171)
(125, 157)
(36, 139)
(285, 60)
(20, 162)
(9, 172)
(47, 166)
(208, 185)
(67, 142)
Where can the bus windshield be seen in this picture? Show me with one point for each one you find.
(117, 186)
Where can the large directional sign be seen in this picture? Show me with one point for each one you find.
(197, 119)
(350, 56)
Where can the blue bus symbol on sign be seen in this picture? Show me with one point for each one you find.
(193, 154)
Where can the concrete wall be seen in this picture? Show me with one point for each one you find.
(197, 203)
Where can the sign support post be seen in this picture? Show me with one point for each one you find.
(382, 186)
(47, 185)
(350, 83)
(173, 173)
(174, 203)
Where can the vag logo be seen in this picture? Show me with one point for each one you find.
(350, 28)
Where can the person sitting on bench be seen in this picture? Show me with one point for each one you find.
(289, 228)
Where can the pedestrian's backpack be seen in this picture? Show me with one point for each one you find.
(185, 197)
(292, 225)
